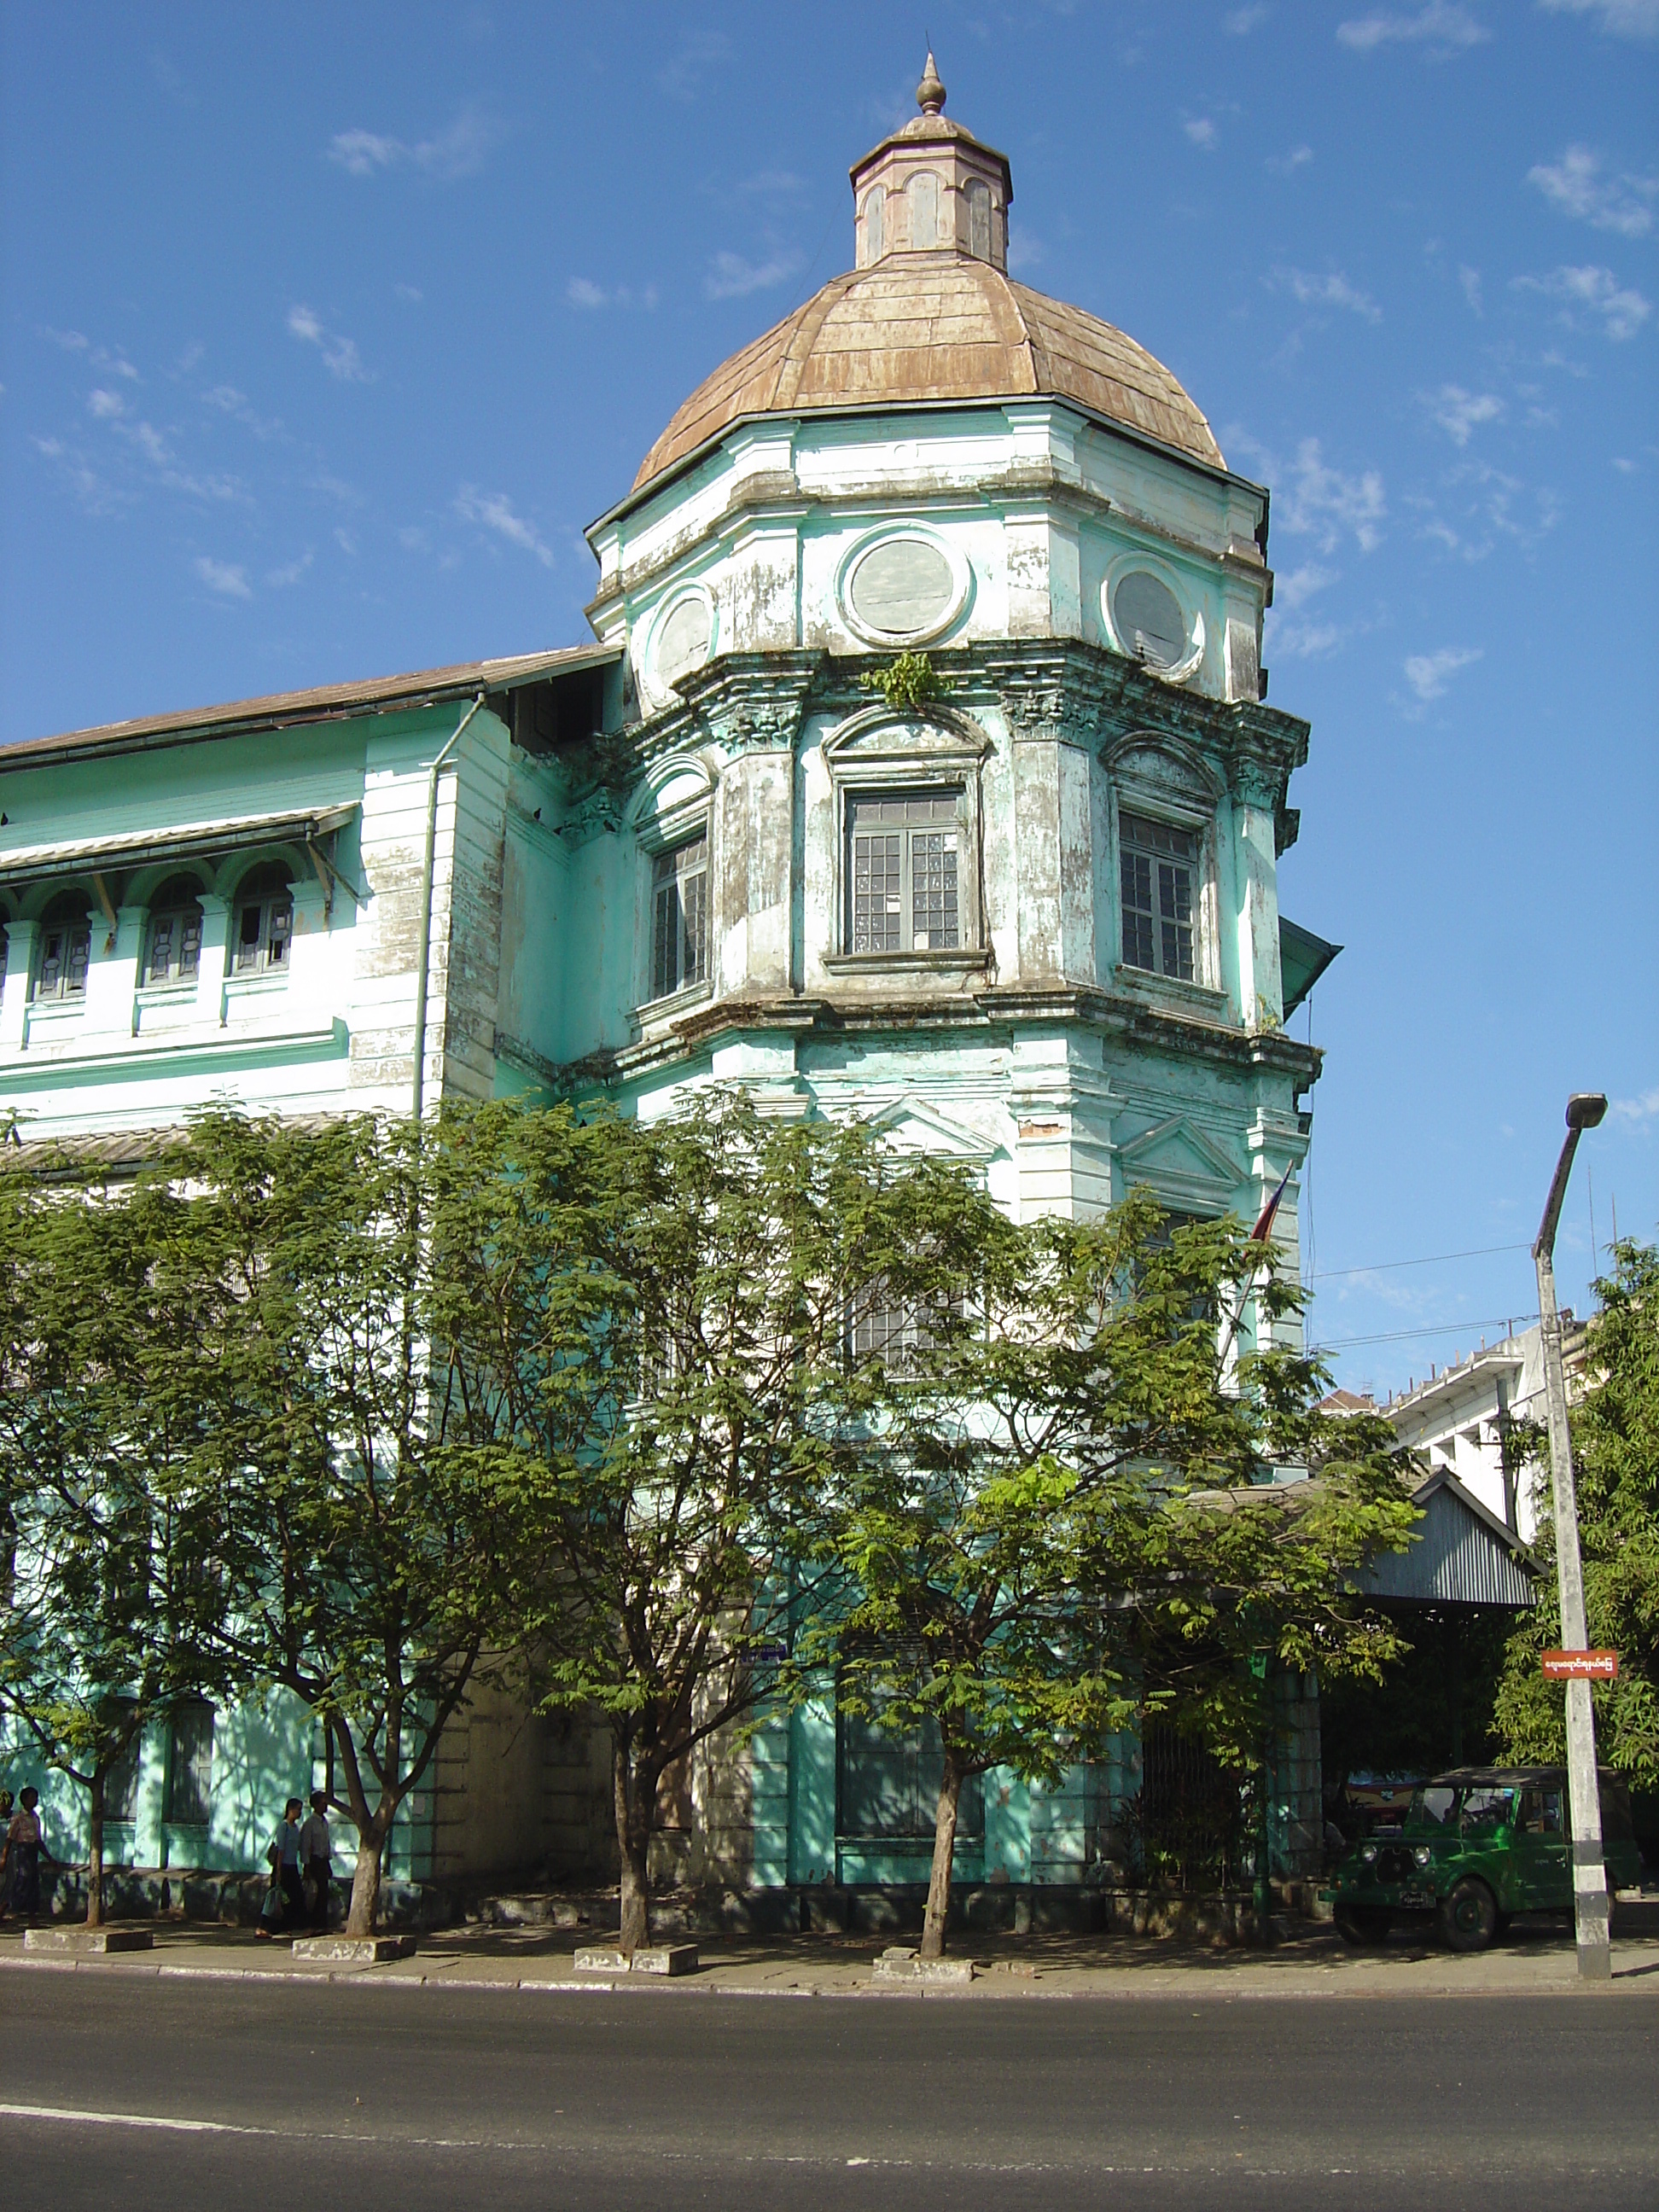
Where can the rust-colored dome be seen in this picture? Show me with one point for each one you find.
(918, 327)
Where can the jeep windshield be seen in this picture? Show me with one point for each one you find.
(1474, 1809)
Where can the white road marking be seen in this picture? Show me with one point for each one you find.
(60, 2114)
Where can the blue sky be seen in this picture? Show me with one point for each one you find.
(326, 331)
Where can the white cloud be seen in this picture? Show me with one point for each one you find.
(1444, 27)
(94, 493)
(1301, 640)
(1622, 308)
(1470, 279)
(1286, 165)
(1575, 185)
(340, 354)
(1637, 1111)
(1623, 19)
(1333, 290)
(1459, 412)
(1322, 503)
(410, 291)
(730, 277)
(106, 405)
(494, 511)
(681, 77)
(1428, 674)
(1294, 590)
(1025, 249)
(1240, 21)
(279, 578)
(459, 150)
(1202, 132)
(582, 292)
(226, 577)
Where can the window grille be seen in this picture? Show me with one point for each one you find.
(887, 1783)
(894, 1330)
(190, 1766)
(121, 1782)
(1159, 863)
(903, 853)
(679, 918)
(264, 923)
(65, 949)
(175, 936)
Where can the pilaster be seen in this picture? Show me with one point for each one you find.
(14, 996)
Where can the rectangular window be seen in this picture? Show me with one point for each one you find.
(65, 948)
(121, 1782)
(264, 928)
(893, 1330)
(189, 1765)
(679, 918)
(887, 1784)
(1159, 868)
(175, 947)
(904, 892)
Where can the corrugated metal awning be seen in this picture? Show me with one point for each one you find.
(1460, 1554)
(132, 848)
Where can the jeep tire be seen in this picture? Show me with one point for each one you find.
(1468, 1915)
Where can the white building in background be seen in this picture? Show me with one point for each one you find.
(1459, 1418)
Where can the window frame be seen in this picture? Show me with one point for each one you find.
(932, 795)
(61, 992)
(182, 1763)
(176, 976)
(689, 785)
(264, 968)
(1158, 925)
(657, 883)
(1186, 803)
(877, 755)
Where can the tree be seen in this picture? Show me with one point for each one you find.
(1615, 1450)
(108, 1589)
(676, 1348)
(370, 1529)
(1048, 1532)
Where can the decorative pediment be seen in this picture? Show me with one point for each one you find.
(916, 1127)
(932, 733)
(1186, 1169)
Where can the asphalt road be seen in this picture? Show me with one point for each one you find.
(234, 2096)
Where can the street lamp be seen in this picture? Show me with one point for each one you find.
(1589, 1880)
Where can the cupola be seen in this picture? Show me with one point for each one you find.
(932, 188)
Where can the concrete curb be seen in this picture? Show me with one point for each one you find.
(1628, 1985)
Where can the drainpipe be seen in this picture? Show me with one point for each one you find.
(417, 1086)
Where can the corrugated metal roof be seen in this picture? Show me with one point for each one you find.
(129, 848)
(322, 703)
(1460, 1554)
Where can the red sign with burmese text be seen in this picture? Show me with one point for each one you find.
(1586, 1666)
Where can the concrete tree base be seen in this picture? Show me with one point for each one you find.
(354, 1950)
(896, 1964)
(93, 1943)
(659, 1959)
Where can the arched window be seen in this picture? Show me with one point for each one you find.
(875, 208)
(264, 921)
(65, 949)
(175, 933)
(979, 220)
(924, 210)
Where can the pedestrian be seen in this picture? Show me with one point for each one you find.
(316, 1857)
(24, 1844)
(5, 1853)
(282, 1854)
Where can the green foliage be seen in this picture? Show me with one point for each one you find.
(909, 681)
(1615, 1448)
(110, 1588)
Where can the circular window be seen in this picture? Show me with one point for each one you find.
(1148, 618)
(903, 587)
(682, 639)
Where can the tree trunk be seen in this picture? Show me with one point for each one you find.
(944, 1845)
(634, 1809)
(365, 1887)
(95, 1850)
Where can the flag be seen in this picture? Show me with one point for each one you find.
(1263, 1228)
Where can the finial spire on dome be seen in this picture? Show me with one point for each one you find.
(930, 92)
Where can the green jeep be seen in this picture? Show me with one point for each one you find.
(1478, 1845)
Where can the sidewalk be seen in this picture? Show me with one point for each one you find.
(1309, 1961)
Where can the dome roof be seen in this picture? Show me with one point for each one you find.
(921, 327)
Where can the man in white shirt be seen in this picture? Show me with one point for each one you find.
(316, 1857)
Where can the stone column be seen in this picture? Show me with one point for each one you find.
(113, 976)
(14, 998)
(210, 971)
(1261, 988)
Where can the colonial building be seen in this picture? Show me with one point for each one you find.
(1025, 916)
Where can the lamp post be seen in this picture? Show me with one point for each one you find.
(1589, 1880)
